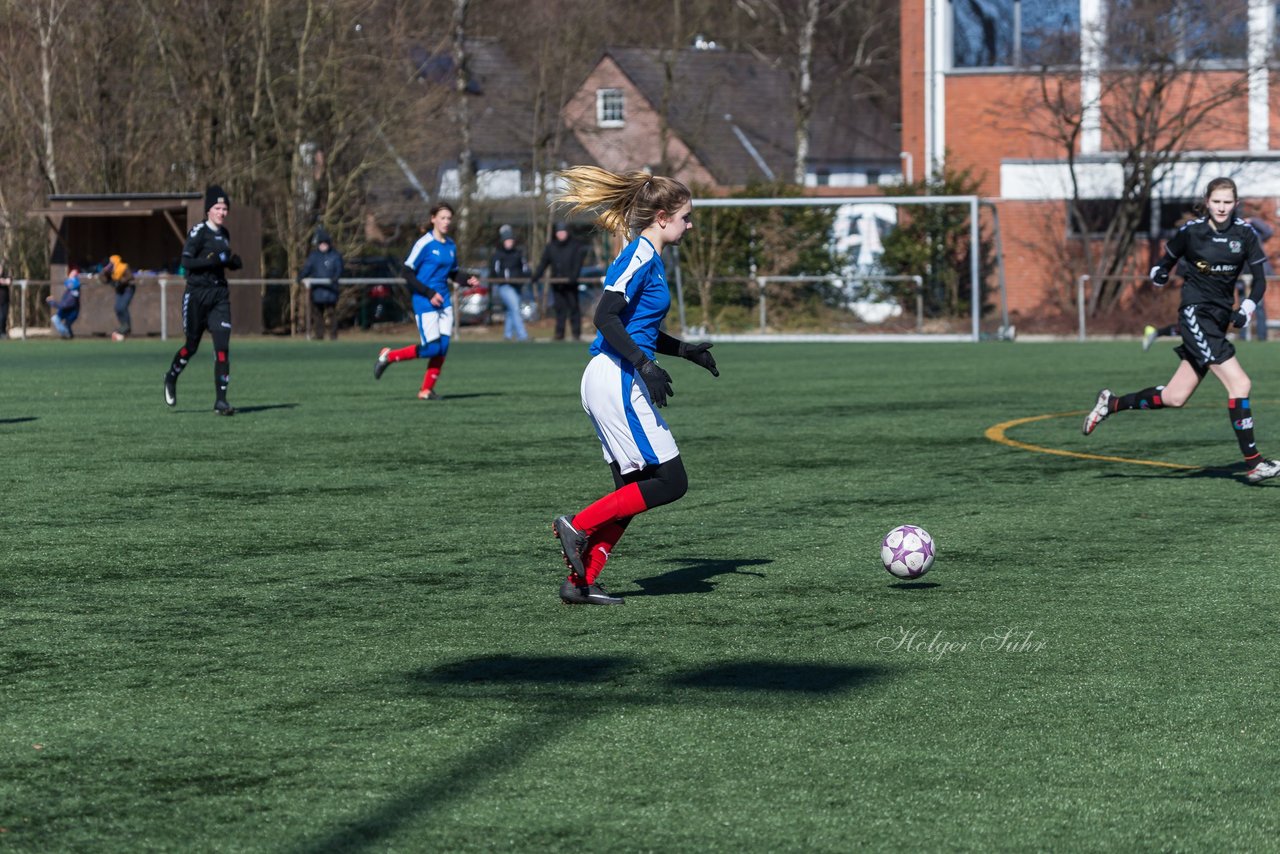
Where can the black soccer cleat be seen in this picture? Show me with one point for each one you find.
(221, 407)
(170, 390)
(573, 543)
(587, 594)
(381, 365)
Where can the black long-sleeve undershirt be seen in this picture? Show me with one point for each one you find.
(608, 319)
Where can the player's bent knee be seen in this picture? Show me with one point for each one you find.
(667, 484)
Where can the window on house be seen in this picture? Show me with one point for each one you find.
(1015, 33)
(1184, 32)
(609, 108)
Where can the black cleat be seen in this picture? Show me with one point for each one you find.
(381, 365)
(170, 390)
(428, 394)
(572, 543)
(587, 594)
(221, 407)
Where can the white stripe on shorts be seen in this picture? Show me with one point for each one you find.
(434, 324)
(632, 433)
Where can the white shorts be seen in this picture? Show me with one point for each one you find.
(432, 325)
(632, 433)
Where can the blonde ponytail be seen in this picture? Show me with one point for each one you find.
(625, 203)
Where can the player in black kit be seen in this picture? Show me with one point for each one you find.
(1216, 247)
(206, 302)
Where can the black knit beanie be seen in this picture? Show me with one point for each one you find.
(214, 194)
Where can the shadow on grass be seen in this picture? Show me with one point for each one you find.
(576, 695)
(694, 577)
(1233, 473)
(915, 585)
(249, 410)
(469, 396)
(17, 420)
(240, 410)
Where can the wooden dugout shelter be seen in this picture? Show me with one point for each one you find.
(148, 231)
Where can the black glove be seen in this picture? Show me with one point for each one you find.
(697, 353)
(656, 380)
(234, 263)
(1159, 276)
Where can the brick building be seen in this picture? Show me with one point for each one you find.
(977, 79)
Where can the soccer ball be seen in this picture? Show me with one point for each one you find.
(907, 551)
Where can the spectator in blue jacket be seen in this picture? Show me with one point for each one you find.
(67, 307)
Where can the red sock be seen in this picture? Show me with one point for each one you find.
(615, 506)
(403, 354)
(600, 547)
(433, 373)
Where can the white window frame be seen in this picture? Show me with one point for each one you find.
(610, 108)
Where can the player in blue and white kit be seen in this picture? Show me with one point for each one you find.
(1216, 248)
(622, 386)
(431, 264)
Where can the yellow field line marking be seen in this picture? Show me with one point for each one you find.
(997, 433)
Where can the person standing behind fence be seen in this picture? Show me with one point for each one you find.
(431, 265)
(1264, 231)
(565, 256)
(67, 307)
(324, 267)
(1217, 247)
(509, 270)
(5, 282)
(206, 302)
(117, 274)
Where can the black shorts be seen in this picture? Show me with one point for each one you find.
(205, 308)
(1204, 336)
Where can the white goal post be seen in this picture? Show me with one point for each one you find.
(972, 202)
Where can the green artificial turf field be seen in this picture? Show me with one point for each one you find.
(331, 622)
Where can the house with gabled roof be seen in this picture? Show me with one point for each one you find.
(721, 120)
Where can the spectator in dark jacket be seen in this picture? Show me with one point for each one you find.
(507, 272)
(116, 273)
(5, 281)
(565, 256)
(324, 268)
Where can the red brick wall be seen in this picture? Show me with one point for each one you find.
(911, 33)
(991, 117)
(638, 143)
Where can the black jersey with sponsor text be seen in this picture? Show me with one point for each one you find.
(201, 256)
(1214, 259)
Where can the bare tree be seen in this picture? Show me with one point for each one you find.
(1157, 96)
(850, 44)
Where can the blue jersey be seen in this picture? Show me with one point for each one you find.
(640, 276)
(434, 262)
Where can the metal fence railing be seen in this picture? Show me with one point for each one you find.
(1145, 303)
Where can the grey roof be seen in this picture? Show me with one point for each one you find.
(501, 117)
(736, 110)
